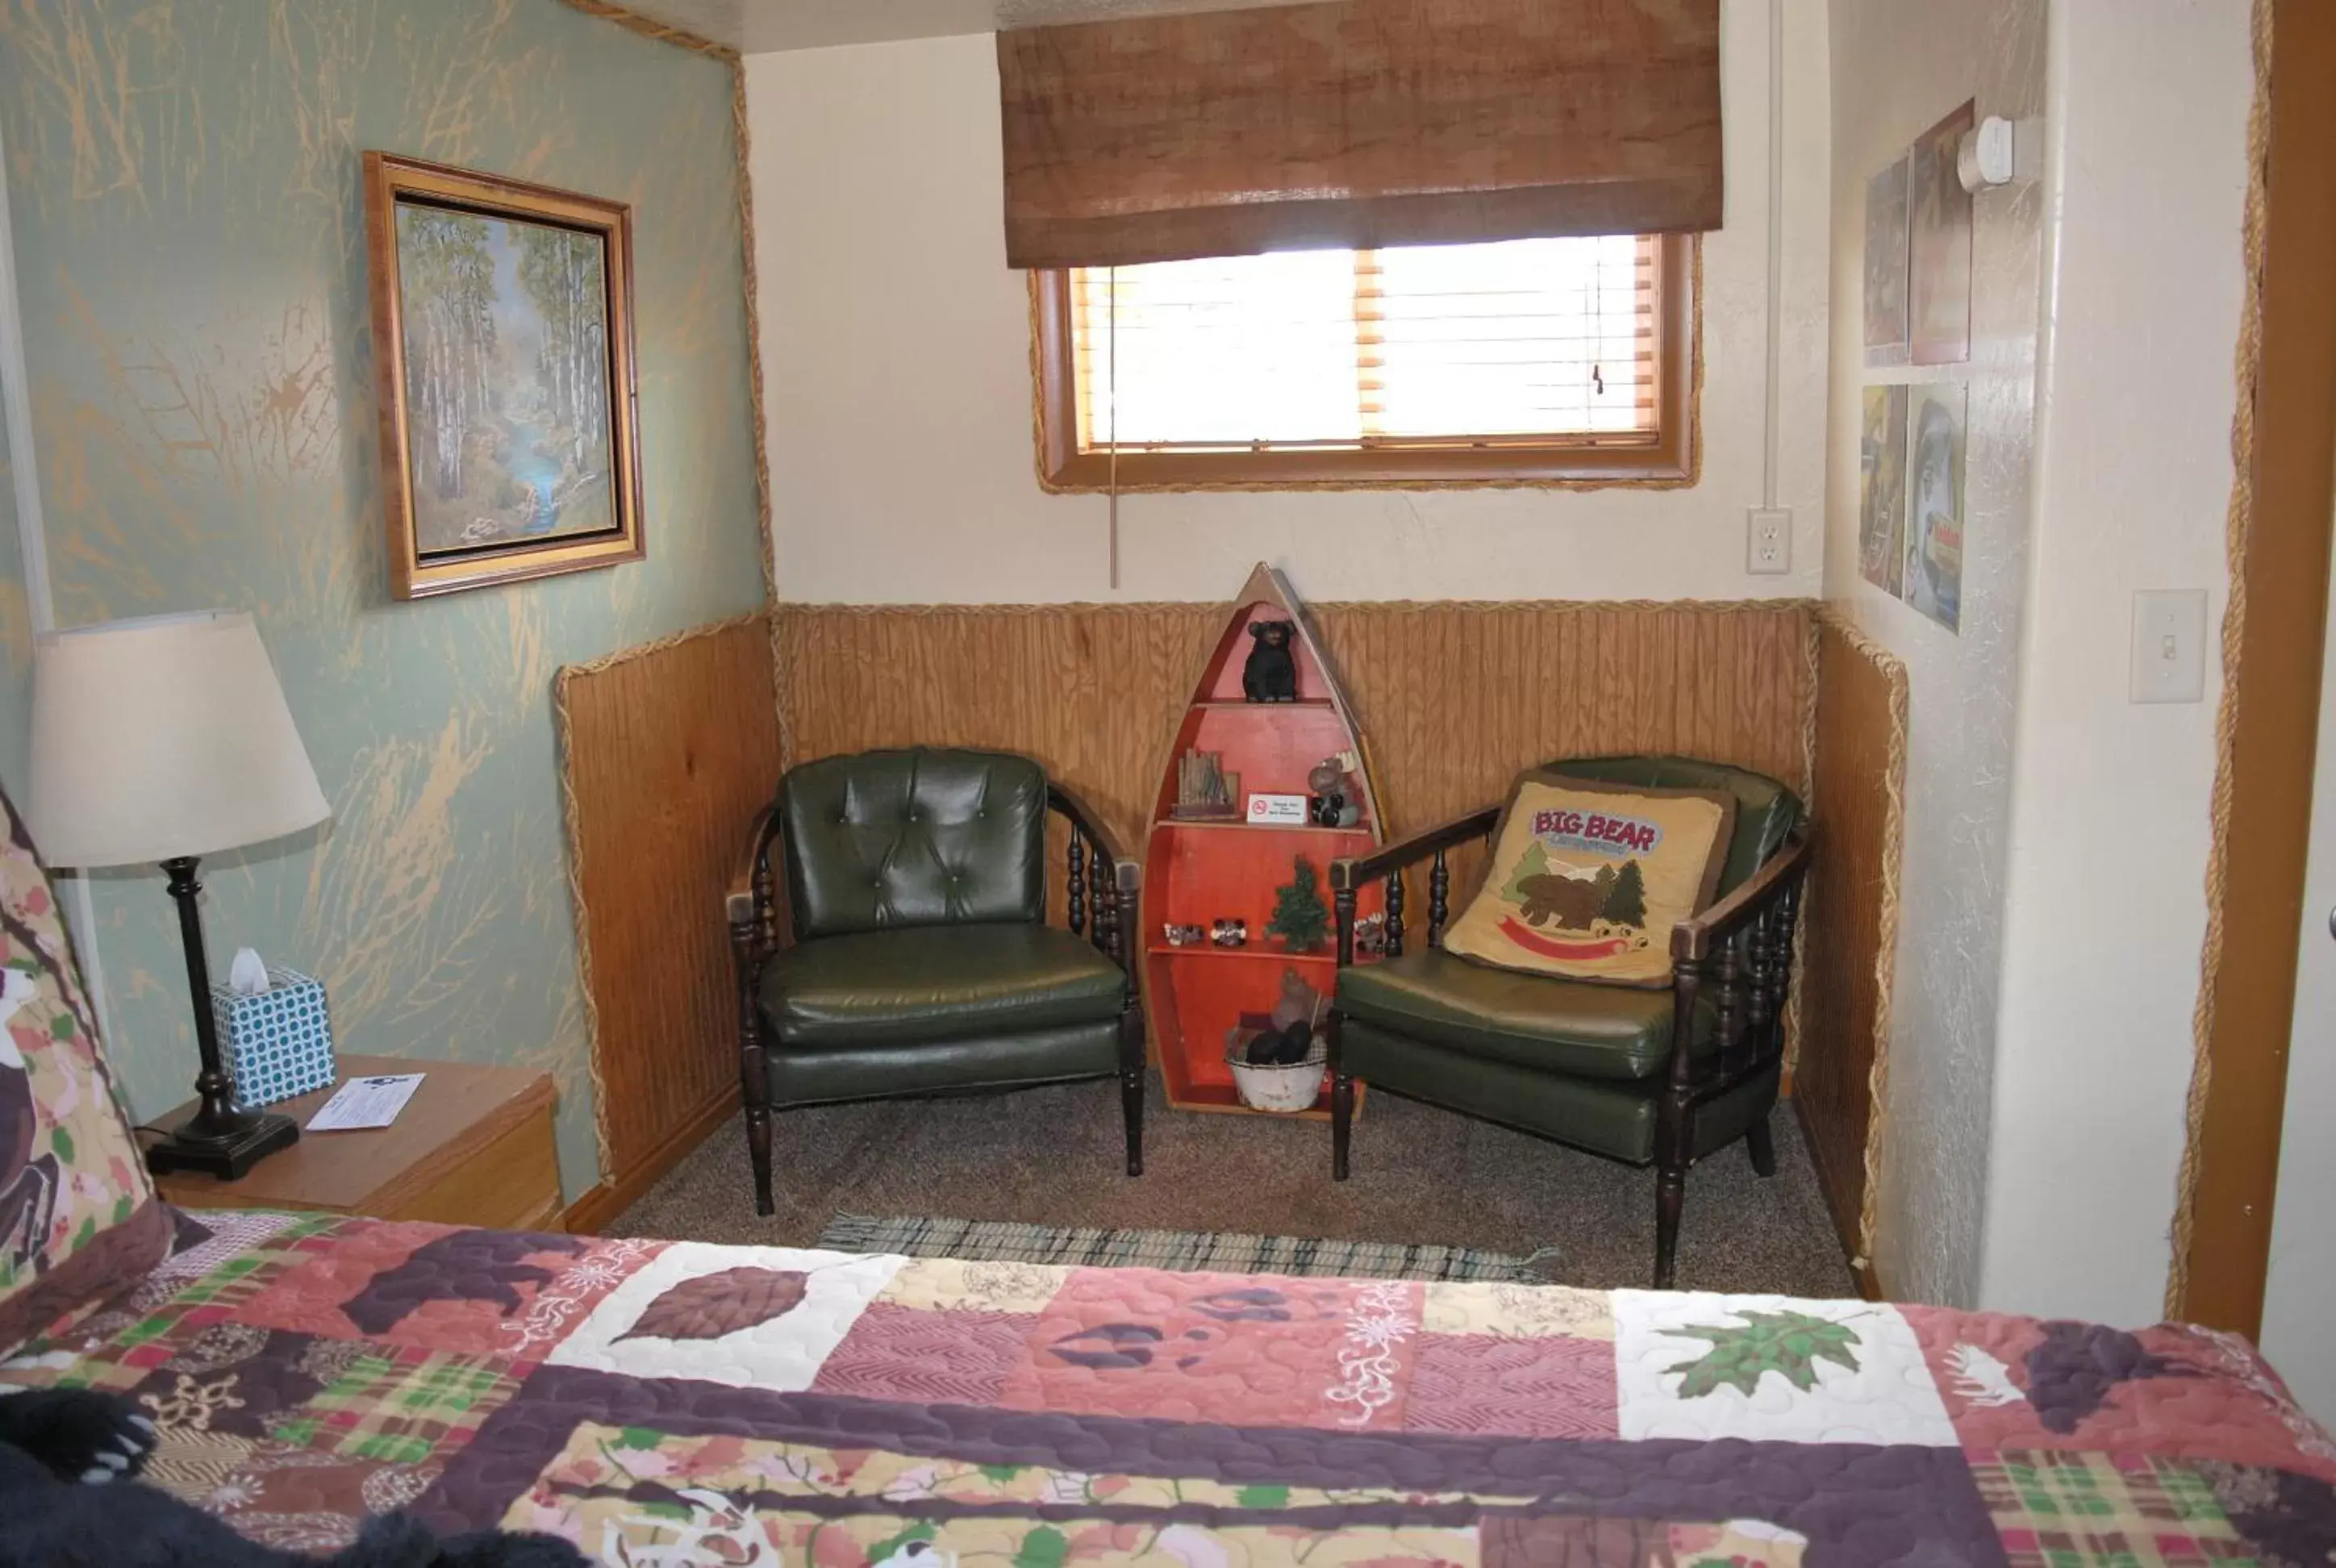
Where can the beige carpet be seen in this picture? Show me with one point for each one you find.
(1052, 1156)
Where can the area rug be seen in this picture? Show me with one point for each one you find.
(988, 1240)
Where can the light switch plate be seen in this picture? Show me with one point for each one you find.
(2169, 644)
(1769, 541)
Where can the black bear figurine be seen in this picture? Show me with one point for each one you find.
(1272, 673)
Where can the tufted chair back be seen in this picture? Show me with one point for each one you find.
(921, 837)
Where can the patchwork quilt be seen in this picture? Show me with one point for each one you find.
(672, 1402)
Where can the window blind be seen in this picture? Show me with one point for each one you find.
(1528, 342)
(1364, 122)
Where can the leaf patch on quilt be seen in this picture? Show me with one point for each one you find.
(713, 1305)
(1789, 1344)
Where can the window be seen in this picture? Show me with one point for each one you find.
(1552, 361)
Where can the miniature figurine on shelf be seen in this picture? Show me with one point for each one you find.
(1184, 936)
(1332, 805)
(1370, 937)
(1288, 1035)
(1298, 1001)
(1270, 675)
(1300, 918)
(1230, 933)
(1204, 791)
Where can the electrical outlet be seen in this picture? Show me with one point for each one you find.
(1769, 541)
(2169, 644)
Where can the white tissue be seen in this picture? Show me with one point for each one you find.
(246, 977)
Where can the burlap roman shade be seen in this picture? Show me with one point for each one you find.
(1360, 123)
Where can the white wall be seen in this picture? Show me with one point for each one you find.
(2053, 899)
(2302, 1279)
(2104, 906)
(896, 350)
(1898, 67)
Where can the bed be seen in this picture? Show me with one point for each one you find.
(676, 1402)
(671, 1402)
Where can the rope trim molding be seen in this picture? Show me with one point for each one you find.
(2238, 522)
(1687, 481)
(649, 28)
(572, 830)
(1892, 670)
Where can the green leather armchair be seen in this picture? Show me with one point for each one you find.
(888, 925)
(1646, 1076)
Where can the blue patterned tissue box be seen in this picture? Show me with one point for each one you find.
(279, 1043)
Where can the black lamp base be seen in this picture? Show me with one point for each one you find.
(225, 1152)
(222, 1138)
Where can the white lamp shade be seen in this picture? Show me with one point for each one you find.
(161, 737)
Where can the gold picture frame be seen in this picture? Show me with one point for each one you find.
(503, 360)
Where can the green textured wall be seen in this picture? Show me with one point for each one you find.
(16, 636)
(185, 186)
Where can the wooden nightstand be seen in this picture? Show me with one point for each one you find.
(472, 1147)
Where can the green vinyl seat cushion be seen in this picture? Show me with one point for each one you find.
(1614, 1117)
(1567, 1026)
(909, 985)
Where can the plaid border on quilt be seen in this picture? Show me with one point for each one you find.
(403, 1406)
(2056, 1509)
(1202, 1252)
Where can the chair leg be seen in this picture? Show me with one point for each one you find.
(1130, 1107)
(1762, 1146)
(1670, 1193)
(1342, 1103)
(758, 1148)
(1131, 1086)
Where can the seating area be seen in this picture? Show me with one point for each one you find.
(1213, 783)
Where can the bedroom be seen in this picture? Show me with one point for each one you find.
(200, 395)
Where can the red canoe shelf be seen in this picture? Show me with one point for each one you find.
(1197, 872)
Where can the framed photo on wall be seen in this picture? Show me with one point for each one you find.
(503, 352)
(1939, 286)
(1933, 571)
(1885, 265)
(1881, 488)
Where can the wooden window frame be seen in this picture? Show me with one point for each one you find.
(1672, 459)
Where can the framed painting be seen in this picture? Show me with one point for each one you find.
(1939, 281)
(503, 353)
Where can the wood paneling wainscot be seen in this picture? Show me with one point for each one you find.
(668, 751)
(1858, 831)
(1453, 698)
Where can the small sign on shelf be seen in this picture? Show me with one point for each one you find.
(1278, 809)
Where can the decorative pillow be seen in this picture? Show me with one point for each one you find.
(78, 1220)
(1587, 879)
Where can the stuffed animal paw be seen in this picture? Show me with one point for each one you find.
(82, 1434)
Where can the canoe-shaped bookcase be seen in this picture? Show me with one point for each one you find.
(1198, 872)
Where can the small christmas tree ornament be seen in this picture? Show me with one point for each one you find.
(1300, 918)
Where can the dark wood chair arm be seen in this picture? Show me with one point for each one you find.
(1695, 937)
(1127, 875)
(752, 924)
(1354, 872)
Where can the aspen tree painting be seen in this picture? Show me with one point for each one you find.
(505, 346)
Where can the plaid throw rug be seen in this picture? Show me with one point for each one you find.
(919, 1236)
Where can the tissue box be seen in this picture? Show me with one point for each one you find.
(279, 1043)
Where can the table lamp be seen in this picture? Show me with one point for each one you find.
(165, 739)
